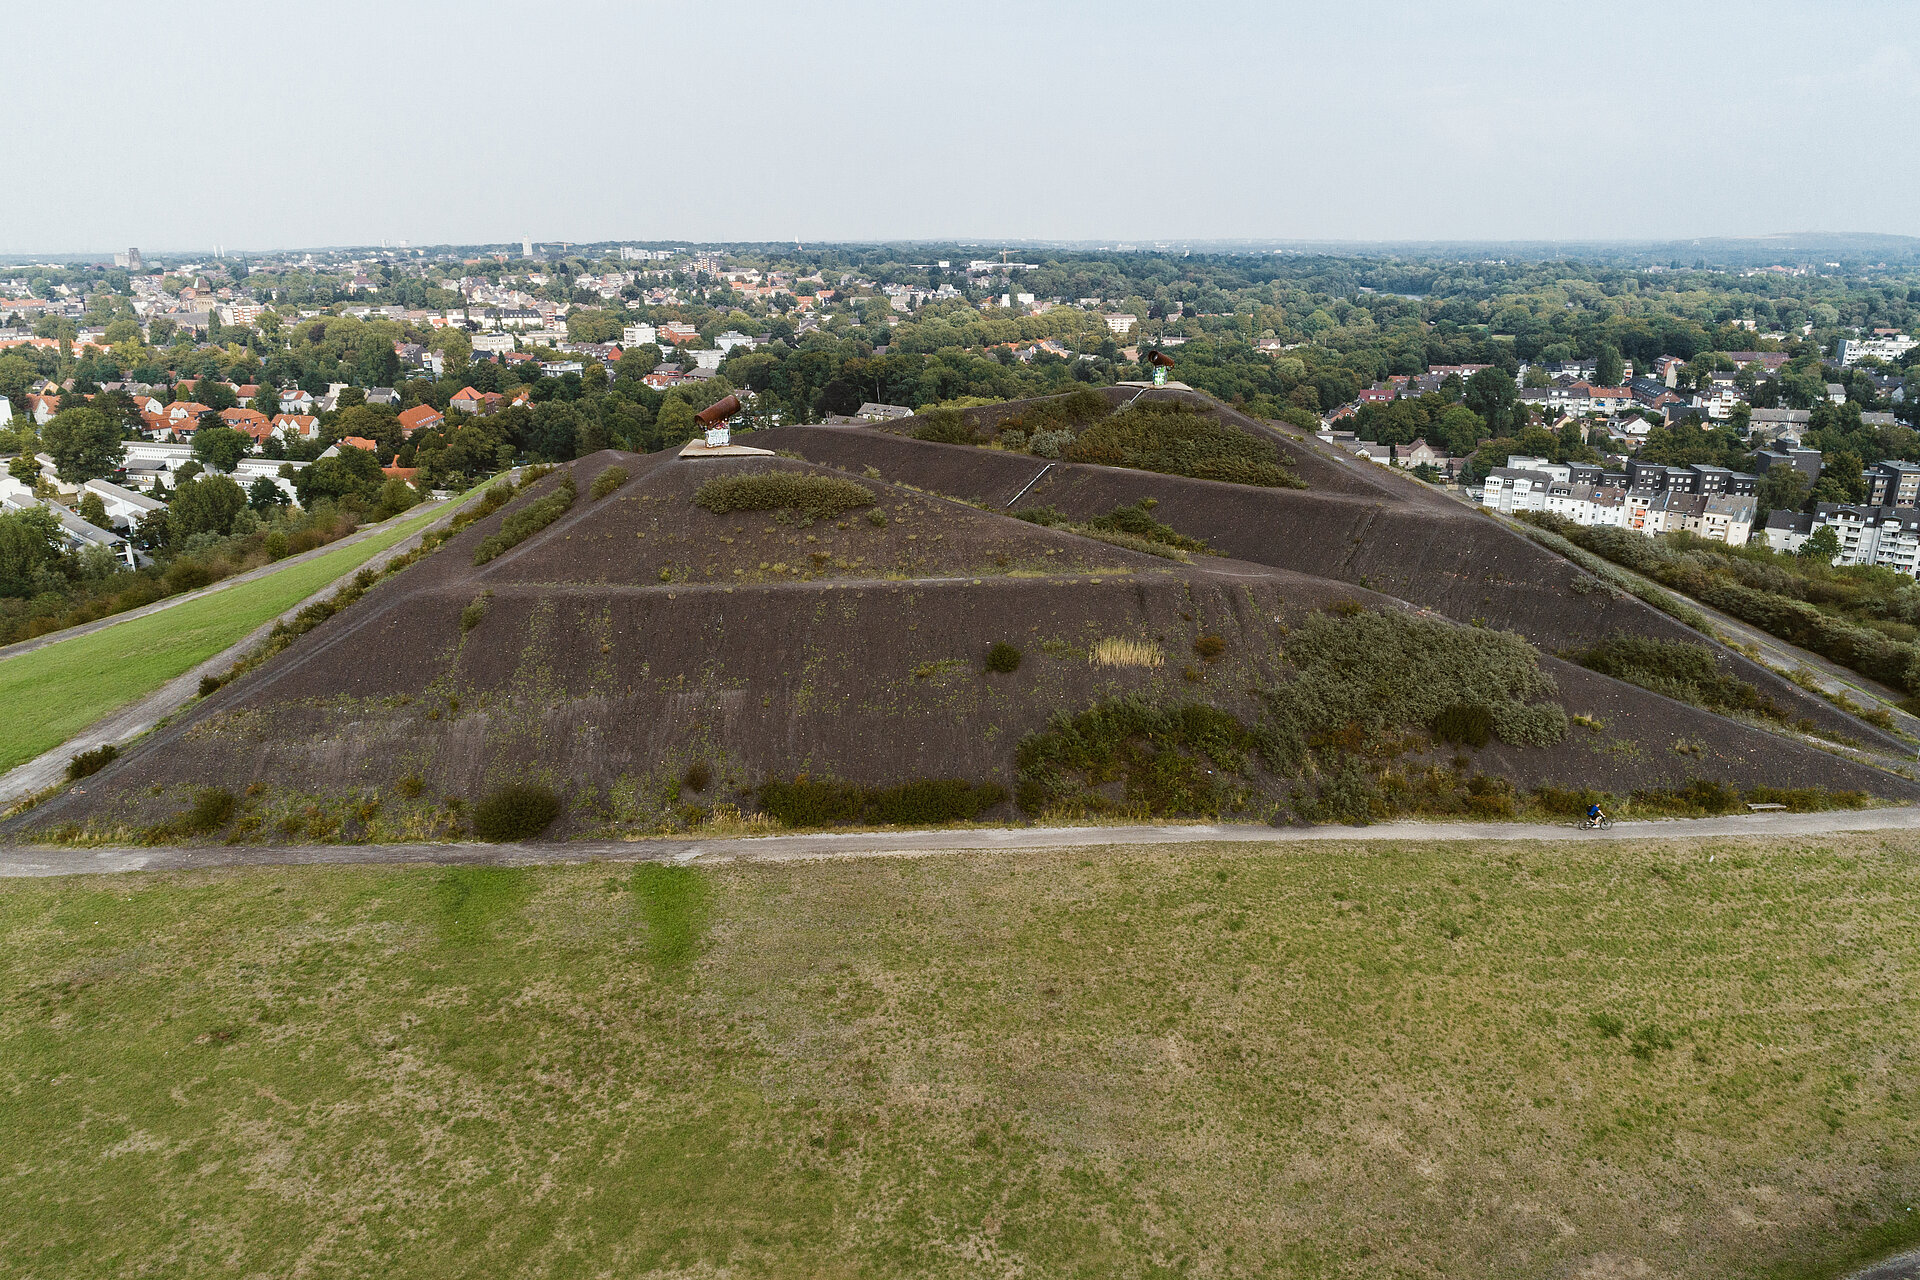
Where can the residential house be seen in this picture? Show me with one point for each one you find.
(1765, 425)
(251, 421)
(125, 508)
(295, 400)
(422, 417)
(467, 400)
(382, 396)
(301, 426)
(872, 412)
(1807, 461)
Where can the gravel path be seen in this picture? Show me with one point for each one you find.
(36, 860)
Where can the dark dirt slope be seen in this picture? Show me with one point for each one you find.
(586, 669)
(1385, 532)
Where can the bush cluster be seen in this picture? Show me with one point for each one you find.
(1175, 439)
(943, 426)
(88, 763)
(1682, 671)
(810, 494)
(1056, 414)
(518, 811)
(475, 612)
(1130, 527)
(1138, 521)
(528, 520)
(1467, 724)
(1171, 760)
(1002, 657)
(606, 482)
(1359, 676)
(809, 802)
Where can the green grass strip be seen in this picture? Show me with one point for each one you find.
(58, 690)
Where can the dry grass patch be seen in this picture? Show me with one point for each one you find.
(1119, 651)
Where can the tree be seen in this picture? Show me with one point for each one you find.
(1782, 488)
(29, 546)
(206, 504)
(93, 510)
(1839, 478)
(221, 448)
(25, 468)
(85, 444)
(215, 395)
(1608, 368)
(352, 473)
(263, 495)
(1823, 546)
(1491, 394)
(676, 423)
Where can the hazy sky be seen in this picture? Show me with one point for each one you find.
(256, 126)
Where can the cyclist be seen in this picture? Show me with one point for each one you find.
(1594, 815)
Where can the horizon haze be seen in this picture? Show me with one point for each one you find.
(1227, 121)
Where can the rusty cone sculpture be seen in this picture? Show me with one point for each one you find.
(1161, 362)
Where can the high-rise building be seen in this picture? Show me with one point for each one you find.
(130, 260)
(526, 248)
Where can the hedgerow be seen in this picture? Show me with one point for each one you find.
(1682, 671)
(1130, 527)
(1797, 602)
(811, 495)
(1175, 439)
(810, 802)
(528, 520)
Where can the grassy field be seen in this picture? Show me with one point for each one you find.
(1676, 1060)
(56, 691)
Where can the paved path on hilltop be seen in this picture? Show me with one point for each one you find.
(251, 575)
(36, 860)
(137, 717)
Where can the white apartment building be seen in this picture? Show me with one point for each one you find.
(1885, 346)
(635, 335)
(1534, 484)
(1121, 322)
(1888, 536)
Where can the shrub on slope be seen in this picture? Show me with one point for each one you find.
(817, 497)
(1176, 440)
(527, 521)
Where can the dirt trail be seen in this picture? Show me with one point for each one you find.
(33, 860)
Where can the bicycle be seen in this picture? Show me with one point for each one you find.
(1601, 823)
